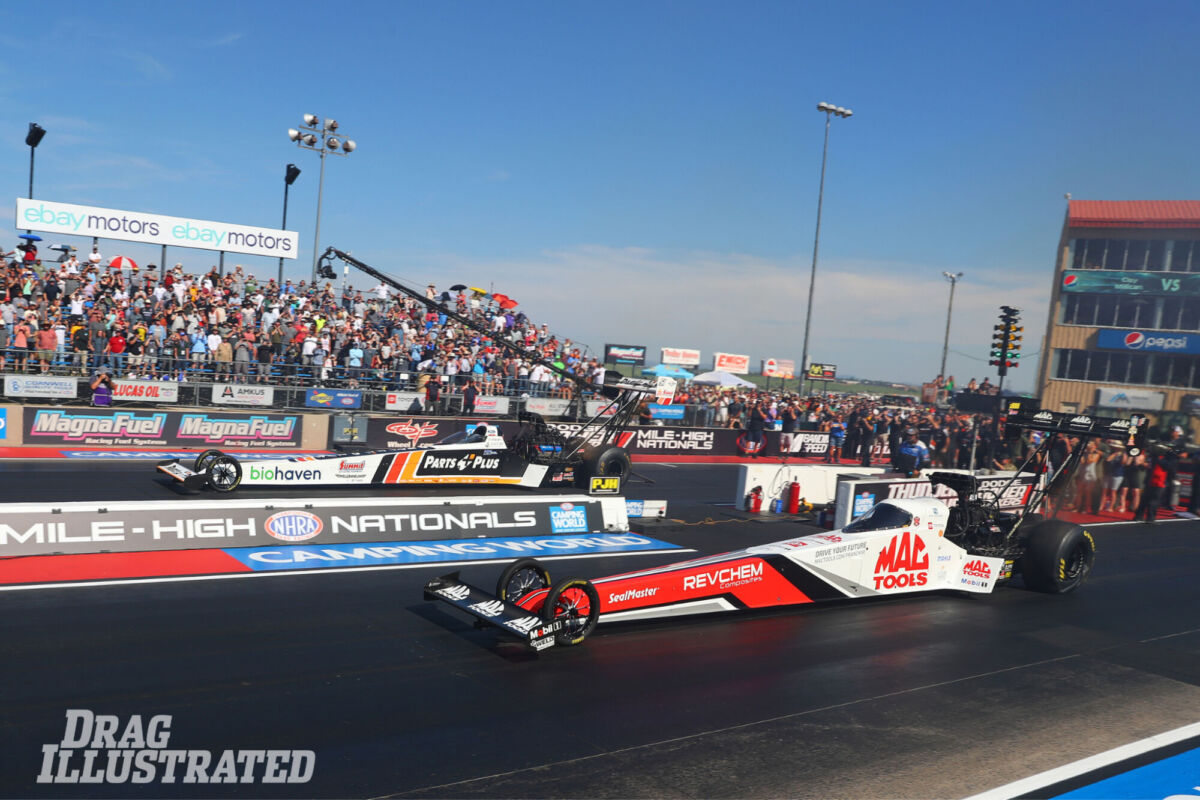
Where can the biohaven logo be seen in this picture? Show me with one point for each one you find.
(293, 526)
(98, 748)
(568, 518)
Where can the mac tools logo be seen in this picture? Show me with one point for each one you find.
(1135, 340)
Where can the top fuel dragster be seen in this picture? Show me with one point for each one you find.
(899, 546)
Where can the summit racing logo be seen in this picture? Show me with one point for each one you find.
(903, 564)
(76, 427)
(413, 431)
(255, 428)
(98, 748)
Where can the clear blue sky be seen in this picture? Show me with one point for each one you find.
(634, 172)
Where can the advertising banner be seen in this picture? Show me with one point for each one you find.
(242, 394)
(779, 368)
(82, 528)
(1149, 341)
(855, 498)
(406, 402)
(548, 406)
(146, 391)
(1133, 399)
(1190, 404)
(1110, 281)
(594, 407)
(3, 423)
(822, 372)
(664, 390)
(729, 362)
(134, 226)
(624, 354)
(487, 404)
(681, 356)
(333, 398)
(21, 386)
(658, 411)
(107, 427)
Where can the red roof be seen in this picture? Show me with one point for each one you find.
(1134, 214)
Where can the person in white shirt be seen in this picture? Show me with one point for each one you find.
(381, 291)
(71, 265)
(95, 258)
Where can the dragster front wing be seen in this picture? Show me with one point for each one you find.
(512, 619)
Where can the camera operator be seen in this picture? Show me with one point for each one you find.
(913, 455)
(102, 389)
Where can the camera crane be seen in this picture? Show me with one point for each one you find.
(594, 443)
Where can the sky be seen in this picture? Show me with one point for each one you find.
(632, 172)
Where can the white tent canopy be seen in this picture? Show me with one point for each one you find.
(720, 378)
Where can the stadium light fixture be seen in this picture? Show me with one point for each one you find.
(289, 177)
(829, 110)
(316, 135)
(953, 278)
(33, 139)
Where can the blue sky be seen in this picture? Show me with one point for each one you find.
(633, 172)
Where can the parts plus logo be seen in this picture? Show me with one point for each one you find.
(903, 564)
(568, 518)
(98, 748)
(293, 526)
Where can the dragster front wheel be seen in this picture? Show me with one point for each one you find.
(204, 459)
(576, 601)
(224, 473)
(520, 578)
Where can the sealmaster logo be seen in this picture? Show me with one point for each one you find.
(293, 526)
(1135, 340)
(903, 563)
(632, 594)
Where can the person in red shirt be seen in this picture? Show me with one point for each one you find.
(116, 351)
(47, 341)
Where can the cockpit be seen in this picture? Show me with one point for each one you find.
(881, 517)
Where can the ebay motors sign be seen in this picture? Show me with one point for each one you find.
(1149, 341)
(729, 362)
(133, 226)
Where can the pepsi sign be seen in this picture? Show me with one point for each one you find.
(1149, 341)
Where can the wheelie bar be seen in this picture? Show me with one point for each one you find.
(537, 633)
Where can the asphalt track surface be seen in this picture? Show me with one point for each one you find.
(909, 697)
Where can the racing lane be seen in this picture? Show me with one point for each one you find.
(930, 696)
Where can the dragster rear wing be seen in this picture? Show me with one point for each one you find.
(1132, 431)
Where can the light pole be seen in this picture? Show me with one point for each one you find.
(33, 139)
(318, 135)
(829, 111)
(289, 177)
(953, 278)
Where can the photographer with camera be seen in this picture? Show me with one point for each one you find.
(102, 388)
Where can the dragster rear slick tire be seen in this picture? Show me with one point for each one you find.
(521, 577)
(1058, 557)
(576, 600)
(224, 473)
(608, 462)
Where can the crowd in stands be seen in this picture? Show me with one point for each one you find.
(81, 316)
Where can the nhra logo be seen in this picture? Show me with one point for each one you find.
(977, 569)
(1135, 340)
(1070, 279)
(903, 563)
(293, 526)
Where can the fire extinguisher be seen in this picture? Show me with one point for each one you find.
(793, 497)
(754, 500)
